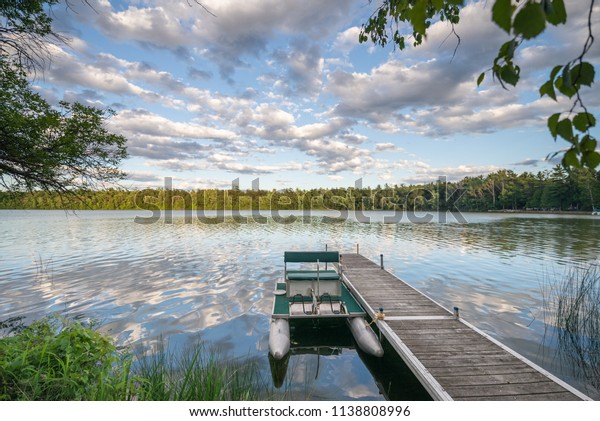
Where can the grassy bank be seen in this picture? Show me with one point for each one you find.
(57, 359)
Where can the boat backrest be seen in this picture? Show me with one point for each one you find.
(318, 279)
(311, 256)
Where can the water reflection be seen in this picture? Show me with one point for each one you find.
(183, 280)
(320, 351)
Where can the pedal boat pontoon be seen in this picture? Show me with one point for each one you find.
(317, 293)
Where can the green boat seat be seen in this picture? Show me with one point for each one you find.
(310, 275)
(311, 256)
(316, 278)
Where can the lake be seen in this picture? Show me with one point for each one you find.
(188, 280)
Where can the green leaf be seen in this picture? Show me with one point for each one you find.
(552, 123)
(554, 72)
(570, 159)
(508, 49)
(480, 78)
(548, 8)
(583, 74)
(530, 21)
(591, 159)
(564, 128)
(548, 89)
(555, 12)
(419, 16)
(502, 14)
(568, 91)
(588, 143)
(510, 74)
(438, 4)
(583, 121)
(566, 78)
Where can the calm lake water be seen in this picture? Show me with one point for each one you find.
(187, 282)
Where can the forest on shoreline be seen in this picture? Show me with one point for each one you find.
(552, 190)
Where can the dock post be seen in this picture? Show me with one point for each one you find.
(357, 249)
(381, 258)
(456, 315)
(382, 315)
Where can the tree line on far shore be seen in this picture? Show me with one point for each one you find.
(552, 190)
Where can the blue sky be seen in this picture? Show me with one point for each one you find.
(281, 90)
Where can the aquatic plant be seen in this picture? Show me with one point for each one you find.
(60, 359)
(56, 359)
(196, 373)
(572, 306)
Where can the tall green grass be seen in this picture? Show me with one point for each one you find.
(58, 359)
(55, 359)
(197, 373)
(572, 306)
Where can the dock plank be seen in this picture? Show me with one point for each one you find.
(558, 396)
(489, 379)
(490, 370)
(451, 358)
(492, 390)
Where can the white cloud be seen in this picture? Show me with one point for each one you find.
(220, 158)
(424, 91)
(353, 138)
(150, 25)
(143, 176)
(389, 147)
(289, 132)
(200, 183)
(272, 117)
(144, 122)
(429, 174)
(69, 70)
(239, 29)
(177, 165)
(386, 176)
(333, 155)
(241, 168)
(391, 87)
(346, 40)
(303, 66)
(298, 92)
(153, 136)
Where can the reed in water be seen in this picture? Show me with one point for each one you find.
(572, 305)
(60, 359)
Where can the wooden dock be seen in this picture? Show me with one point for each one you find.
(450, 357)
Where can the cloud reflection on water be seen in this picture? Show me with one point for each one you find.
(181, 281)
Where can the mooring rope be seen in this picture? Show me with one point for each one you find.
(380, 315)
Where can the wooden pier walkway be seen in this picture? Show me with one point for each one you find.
(450, 357)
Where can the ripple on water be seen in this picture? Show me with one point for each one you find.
(214, 281)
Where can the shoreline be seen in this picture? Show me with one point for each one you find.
(285, 212)
(541, 212)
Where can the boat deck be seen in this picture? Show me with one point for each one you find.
(451, 358)
(281, 308)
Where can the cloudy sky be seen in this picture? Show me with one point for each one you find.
(282, 91)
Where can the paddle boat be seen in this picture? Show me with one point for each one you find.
(596, 210)
(323, 341)
(315, 294)
(315, 345)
